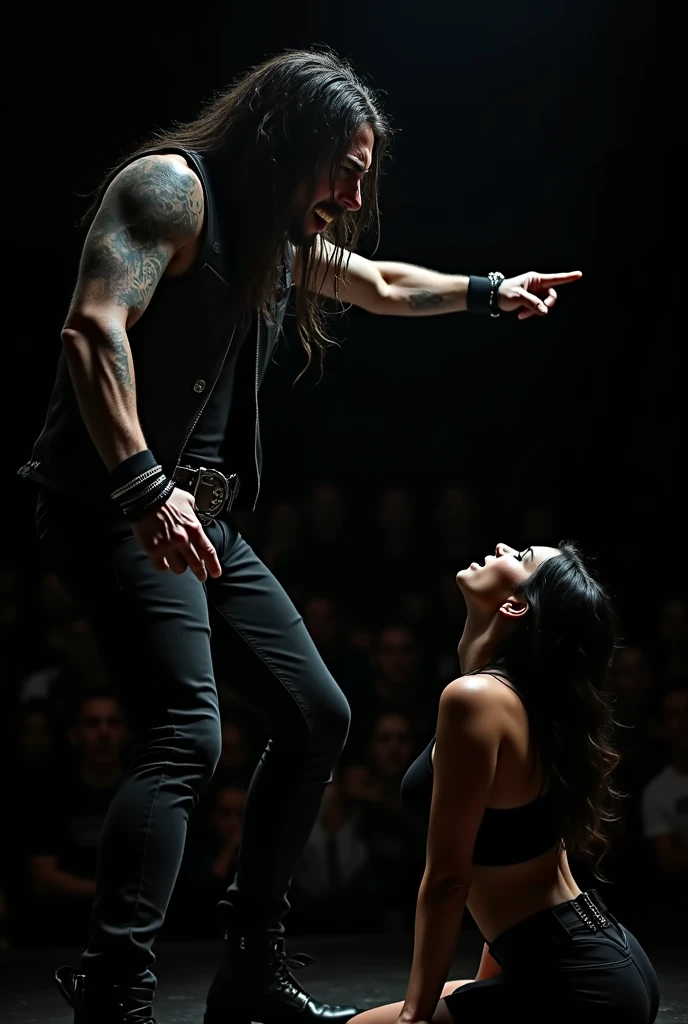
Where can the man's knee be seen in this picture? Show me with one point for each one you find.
(329, 722)
(204, 747)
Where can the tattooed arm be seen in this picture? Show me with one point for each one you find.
(150, 211)
(392, 289)
(401, 289)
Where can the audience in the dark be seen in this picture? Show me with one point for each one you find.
(672, 654)
(64, 820)
(665, 803)
(209, 862)
(396, 848)
(327, 627)
(400, 681)
(374, 578)
(332, 880)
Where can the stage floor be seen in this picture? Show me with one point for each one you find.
(366, 971)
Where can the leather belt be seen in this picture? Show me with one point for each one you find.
(213, 492)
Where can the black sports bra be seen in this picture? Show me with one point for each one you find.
(506, 836)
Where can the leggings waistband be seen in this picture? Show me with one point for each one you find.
(555, 926)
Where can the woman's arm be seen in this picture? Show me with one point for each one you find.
(489, 967)
(468, 735)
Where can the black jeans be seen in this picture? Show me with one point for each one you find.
(557, 969)
(154, 632)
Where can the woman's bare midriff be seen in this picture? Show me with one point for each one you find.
(502, 896)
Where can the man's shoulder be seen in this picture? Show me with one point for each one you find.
(162, 187)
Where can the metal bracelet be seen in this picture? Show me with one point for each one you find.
(495, 280)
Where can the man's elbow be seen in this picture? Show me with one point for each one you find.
(89, 324)
(384, 299)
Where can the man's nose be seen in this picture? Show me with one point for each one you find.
(349, 196)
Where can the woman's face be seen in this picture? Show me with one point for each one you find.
(490, 585)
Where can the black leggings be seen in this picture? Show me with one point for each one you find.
(558, 970)
(154, 632)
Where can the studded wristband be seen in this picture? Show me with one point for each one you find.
(483, 293)
(495, 279)
(139, 485)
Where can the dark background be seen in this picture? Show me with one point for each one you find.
(525, 140)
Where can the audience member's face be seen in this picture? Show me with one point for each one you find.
(228, 812)
(538, 521)
(673, 623)
(396, 656)
(55, 603)
(361, 640)
(9, 605)
(100, 733)
(675, 721)
(395, 511)
(416, 607)
(326, 511)
(391, 746)
(36, 739)
(81, 647)
(455, 510)
(285, 524)
(631, 675)
(235, 745)
(321, 620)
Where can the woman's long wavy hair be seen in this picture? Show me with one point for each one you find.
(266, 137)
(558, 657)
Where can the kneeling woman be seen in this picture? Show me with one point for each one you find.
(519, 773)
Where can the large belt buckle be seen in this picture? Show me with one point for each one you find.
(213, 493)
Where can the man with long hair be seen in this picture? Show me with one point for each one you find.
(192, 244)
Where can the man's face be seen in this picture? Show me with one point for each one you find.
(316, 210)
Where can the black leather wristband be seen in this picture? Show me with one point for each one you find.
(478, 295)
(139, 485)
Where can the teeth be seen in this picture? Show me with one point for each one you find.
(328, 218)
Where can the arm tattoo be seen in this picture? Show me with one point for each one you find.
(119, 346)
(152, 203)
(425, 299)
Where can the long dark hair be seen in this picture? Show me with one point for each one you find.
(558, 657)
(266, 136)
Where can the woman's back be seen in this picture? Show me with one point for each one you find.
(503, 894)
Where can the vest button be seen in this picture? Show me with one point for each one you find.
(216, 246)
(199, 387)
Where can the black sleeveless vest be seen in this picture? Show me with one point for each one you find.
(178, 348)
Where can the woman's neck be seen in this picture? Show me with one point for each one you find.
(478, 641)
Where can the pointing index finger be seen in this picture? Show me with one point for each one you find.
(555, 279)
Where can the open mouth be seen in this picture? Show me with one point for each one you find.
(323, 217)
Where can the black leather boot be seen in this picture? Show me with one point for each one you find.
(256, 984)
(104, 1004)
